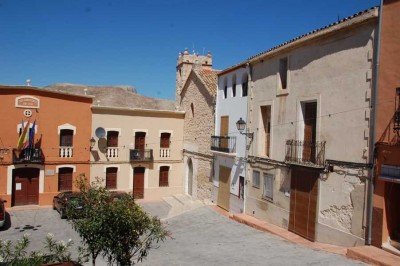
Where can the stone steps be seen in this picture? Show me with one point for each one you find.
(181, 203)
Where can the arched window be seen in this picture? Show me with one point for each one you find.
(234, 86)
(192, 108)
(225, 88)
(245, 85)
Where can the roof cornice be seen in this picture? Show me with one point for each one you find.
(111, 108)
(17, 87)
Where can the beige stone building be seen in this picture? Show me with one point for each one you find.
(309, 110)
(196, 87)
(137, 141)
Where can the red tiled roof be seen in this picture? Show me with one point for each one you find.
(209, 78)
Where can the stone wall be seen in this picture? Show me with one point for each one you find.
(197, 102)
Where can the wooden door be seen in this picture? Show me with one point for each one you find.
(303, 202)
(25, 186)
(310, 126)
(224, 187)
(138, 182)
(224, 130)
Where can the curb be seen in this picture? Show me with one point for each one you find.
(368, 254)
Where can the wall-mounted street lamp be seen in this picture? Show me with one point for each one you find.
(241, 126)
(396, 127)
(92, 143)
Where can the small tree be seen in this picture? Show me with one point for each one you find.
(118, 230)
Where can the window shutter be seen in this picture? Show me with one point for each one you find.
(268, 186)
(165, 139)
(112, 139)
(111, 177)
(65, 179)
(66, 137)
(163, 179)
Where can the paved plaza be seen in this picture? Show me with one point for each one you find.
(199, 237)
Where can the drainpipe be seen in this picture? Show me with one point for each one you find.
(246, 151)
(373, 139)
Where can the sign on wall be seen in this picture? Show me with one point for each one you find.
(27, 102)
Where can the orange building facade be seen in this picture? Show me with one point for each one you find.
(386, 199)
(39, 162)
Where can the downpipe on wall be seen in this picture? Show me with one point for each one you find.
(373, 139)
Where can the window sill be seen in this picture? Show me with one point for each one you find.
(271, 200)
(282, 92)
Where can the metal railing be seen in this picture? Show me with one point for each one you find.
(305, 153)
(141, 155)
(28, 155)
(223, 144)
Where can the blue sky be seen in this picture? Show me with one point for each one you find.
(129, 42)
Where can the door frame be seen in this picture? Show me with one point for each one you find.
(10, 176)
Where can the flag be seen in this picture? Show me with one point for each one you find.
(32, 135)
(23, 138)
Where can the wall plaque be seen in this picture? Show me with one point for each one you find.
(27, 102)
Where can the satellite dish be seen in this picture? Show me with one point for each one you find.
(100, 132)
(102, 143)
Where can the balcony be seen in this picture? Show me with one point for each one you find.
(140, 155)
(305, 153)
(112, 152)
(165, 153)
(223, 144)
(28, 155)
(66, 152)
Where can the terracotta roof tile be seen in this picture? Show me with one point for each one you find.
(209, 78)
(361, 16)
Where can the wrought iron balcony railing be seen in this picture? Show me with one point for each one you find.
(305, 153)
(28, 155)
(141, 155)
(223, 144)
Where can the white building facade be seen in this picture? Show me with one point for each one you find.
(227, 144)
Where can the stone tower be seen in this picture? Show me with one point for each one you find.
(186, 62)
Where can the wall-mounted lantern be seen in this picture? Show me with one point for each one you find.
(241, 126)
(92, 143)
